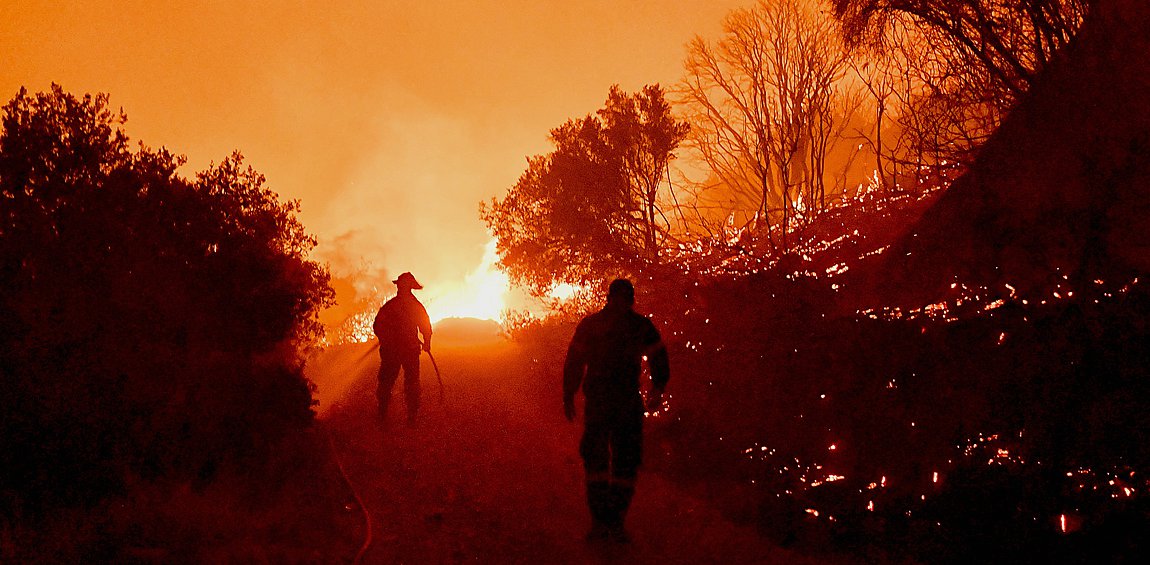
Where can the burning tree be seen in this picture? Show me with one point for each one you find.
(960, 66)
(767, 106)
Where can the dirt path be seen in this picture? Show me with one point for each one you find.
(492, 474)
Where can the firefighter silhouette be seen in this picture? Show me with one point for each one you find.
(398, 325)
(605, 359)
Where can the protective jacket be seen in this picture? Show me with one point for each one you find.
(399, 323)
(606, 357)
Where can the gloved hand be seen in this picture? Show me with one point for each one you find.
(427, 346)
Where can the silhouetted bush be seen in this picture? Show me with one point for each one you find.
(149, 323)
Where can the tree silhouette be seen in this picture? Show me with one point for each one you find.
(766, 104)
(149, 323)
(963, 64)
(643, 134)
(590, 209)
(1011, 41)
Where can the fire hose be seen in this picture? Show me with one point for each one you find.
(437, 375)
(367, 541)
(367, 526)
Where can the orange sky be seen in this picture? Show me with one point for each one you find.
(389, 120)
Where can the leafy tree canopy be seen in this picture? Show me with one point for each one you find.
(589, 210)
(149, 321)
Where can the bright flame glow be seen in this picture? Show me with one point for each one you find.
(481, 294)
(564, 291)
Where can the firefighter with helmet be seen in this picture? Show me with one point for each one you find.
(398, 325)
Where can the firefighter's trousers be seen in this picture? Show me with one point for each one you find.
(390, 362)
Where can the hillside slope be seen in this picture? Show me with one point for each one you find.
(1062, 189)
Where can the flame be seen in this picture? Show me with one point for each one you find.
(564, 291)
(482, 294)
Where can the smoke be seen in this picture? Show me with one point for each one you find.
(410, 204)
(389, 123)
(347, 256)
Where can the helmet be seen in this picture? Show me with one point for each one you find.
(407, 280)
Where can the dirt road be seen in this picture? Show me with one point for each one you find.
(492, 475)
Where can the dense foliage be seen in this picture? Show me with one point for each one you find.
(149, 323)
(590, 210)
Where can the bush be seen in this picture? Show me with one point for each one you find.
(150, 323)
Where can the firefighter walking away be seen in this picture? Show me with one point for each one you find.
(605, 360)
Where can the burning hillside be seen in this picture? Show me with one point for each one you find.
(972, 388)
(1057, 200)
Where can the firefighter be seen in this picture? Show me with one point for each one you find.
(605, 358)
(397, 326)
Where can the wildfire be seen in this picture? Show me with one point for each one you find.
(564, 291)
(482, 293)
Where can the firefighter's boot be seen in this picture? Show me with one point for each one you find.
(619, 502)
(599, 503)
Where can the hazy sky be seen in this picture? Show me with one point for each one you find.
(389, 120)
